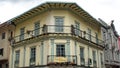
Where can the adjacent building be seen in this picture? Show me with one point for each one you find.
(111, 40)
(56, 34)
(5, 34)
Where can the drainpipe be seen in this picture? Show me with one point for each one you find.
(12, 58)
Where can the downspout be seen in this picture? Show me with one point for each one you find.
(12, 58)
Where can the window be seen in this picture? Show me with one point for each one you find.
(96, 36)
(37, 28)
(3, 35)
(11, 34)
(17, 57)
(104, 36)
(32, 56)
(89, 34)
(22, 30)
(94, 59)
(82, 60)
(59, 24)
(101, 58)
(77, 28)
(60, 50)
(1, 51)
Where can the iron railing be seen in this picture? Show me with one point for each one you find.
(82, 61)
(94, 63)
(16, 63)
(67, 59)
(55, 29)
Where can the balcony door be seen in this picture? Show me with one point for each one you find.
(59, 24)
(22, 30)
(37, 28)
(77, 28)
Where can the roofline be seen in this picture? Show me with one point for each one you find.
(78, 11)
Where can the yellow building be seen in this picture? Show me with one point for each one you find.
(6, 31)
(56, 34)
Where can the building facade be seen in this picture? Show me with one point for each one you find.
(5, 33)
(111, 51)
(56, 35)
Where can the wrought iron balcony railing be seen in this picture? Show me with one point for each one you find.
(94, 63)
(32, 61)
(56, 29)
(82, 61)
(16, 63)
(65, 60)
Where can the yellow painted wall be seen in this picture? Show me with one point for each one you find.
(49, 19)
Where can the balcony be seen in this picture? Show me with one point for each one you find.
(32, 61)
(82, 61)
(58, 31)
(16, 63)
(62, 60)
(94, 64)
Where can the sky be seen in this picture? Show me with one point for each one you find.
(107, 10)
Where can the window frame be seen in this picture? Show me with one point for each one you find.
(37, 28)
(3, 35)
(62, 50)
(89, 32)
(22, 31)
(82, 59)
(59, 26)
(32, 56)
(17, 58)
(77, 28)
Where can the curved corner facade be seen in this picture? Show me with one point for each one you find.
(57, 37)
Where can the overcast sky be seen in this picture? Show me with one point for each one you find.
(105, 9)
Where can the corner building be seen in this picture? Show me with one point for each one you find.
(56, 34)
